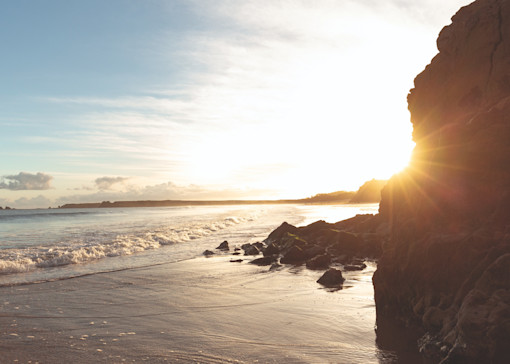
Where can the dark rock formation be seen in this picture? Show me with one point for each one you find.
(208, 253)
(295, 255)
(319, 262)
(269, 260)
(223, 246)
(446, 266)
(321, 243)
(332, 278)
(250, 249)
(271, 249)
(282, 230)
(351, 267)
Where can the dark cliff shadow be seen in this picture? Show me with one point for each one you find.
(397, 344)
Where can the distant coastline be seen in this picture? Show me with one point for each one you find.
(369, 192)
(166, 203)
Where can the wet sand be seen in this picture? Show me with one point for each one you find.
(200, 310)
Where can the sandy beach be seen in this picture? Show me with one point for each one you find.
(200, 310)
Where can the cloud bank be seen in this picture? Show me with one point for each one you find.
(26, 181)
(106, 183)
(166, 191)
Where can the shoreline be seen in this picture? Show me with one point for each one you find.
(179, 203)
(203, 309)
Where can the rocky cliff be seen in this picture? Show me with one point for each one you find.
(446, 267)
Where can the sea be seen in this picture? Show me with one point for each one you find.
(49, 244)
(121, 285)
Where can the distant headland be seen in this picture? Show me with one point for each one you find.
(369, 192)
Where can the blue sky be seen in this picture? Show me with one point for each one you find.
(199, 99)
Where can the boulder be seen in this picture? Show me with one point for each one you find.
(345, 243)
(223, 246)
(332, 278)
(208, 253)
(264, 261)
(250, 250)
(319, 262)
(314, 250)
(271, 249)
(281, 231)
(295, 255)
(288, 241)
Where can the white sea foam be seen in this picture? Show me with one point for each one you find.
(101, 245)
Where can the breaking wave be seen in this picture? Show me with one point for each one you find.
(103, 245)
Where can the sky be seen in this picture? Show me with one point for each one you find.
(206, 99)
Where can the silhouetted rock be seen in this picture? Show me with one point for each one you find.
(250, 250)
(295, 255)
(208, 253)
(352, 267)
(344, 243)
(264, 261)
(236, 260)
(312, 251)
(271, 249)
(332, 278)
(223, 246)
(282, 230)
(445, 267)
(321, 237)
(319, 262)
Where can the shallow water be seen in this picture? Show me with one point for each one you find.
(170, 304)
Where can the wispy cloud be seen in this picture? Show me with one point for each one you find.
(273, 92)
(26, 181)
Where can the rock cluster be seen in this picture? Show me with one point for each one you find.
(320, 246)
(446, 266)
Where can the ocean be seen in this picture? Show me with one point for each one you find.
(132, 285)
(42, 245)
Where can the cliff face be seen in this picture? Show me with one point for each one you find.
(447, 265)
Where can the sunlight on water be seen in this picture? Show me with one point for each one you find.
(335, 213)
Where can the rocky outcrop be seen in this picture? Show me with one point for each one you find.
(446, 266)
(321, 243)
(332, 278)
(346, 245)
(223, 246)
